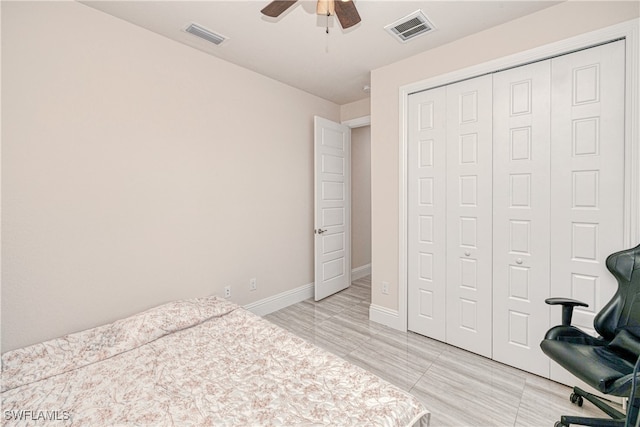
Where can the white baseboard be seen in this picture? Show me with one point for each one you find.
(360, 272)
(385, 316)
(280, 301)
(285, 299)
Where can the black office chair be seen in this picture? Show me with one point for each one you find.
(605, 363)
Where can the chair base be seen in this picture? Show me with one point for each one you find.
(566, 421)
(618, 419)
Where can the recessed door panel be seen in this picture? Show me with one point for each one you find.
(426, 304)
(425, 224)
(425, 115)
(469, 274)
(425, 188)
(519, 329)
(469, 232)
(585, 288)
(519, 237)
(332, 217)
(333, 191)
(468, 315)
(586, 188)
(520, 99)
(467, 106)
(520, 143)
(586, 136)
(586, 84)
(333, 243)
(331, 164)
(468, 191)
(468, 148)
(333, 138)
(426, 266)
(520, 190)
(519, 283)
(333, 269)
(584, 242)
(425, 153)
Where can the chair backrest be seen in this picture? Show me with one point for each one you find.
(623, 310)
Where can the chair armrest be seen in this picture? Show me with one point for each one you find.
(567, 307)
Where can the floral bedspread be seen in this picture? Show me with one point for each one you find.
(198, 362)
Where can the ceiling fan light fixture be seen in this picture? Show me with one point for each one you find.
(344, 10)
(326, 8)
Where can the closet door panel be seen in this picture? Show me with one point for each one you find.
(427, 213)
(587, 172)
(469, 224)
(521, 163)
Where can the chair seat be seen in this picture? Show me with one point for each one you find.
(568, 333)
(597, 366)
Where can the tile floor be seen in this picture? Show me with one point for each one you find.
(458, 387)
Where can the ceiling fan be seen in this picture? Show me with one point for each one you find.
(345, 10)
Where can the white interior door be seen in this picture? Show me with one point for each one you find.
(587, 172)
(521, 185)
(332, 154)
(427, 245)
(469, 216)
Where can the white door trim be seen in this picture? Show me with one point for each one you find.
(358, 122)
(629, 30)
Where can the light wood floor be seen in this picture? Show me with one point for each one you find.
(459, 388)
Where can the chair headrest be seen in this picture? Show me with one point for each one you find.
(623, 264)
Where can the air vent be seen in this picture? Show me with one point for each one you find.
(203, 33)
(410, 27)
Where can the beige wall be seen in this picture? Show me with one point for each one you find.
(136, 170)
(360, 196)
(549, 25)
(355, 110)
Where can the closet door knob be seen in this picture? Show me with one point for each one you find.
(467, 253)
(519, 261)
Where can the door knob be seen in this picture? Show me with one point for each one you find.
(467, 253)
(320, 231)
(519, 261)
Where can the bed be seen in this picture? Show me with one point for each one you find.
(198, 362)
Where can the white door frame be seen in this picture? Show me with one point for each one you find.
(628, 30)
(358, 122)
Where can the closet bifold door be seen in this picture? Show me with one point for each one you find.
(587, 176)
(521, 167)
(427, 213)
(469, 223)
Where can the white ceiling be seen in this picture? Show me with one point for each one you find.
(295, 49)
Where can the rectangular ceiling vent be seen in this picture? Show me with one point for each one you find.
(203, 33)
(410, 27)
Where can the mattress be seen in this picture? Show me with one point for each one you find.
(199, 362)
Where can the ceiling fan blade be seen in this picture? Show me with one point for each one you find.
(347, 13)
(275, 8)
